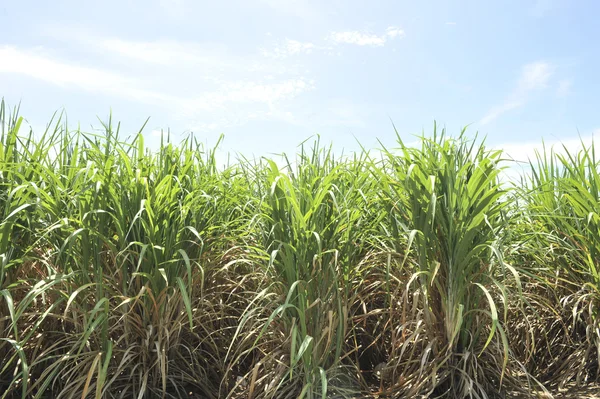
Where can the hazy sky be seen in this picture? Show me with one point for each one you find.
(270, 73)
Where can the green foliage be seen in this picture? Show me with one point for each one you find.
(563, 198)
(446, 197)
(131, 272)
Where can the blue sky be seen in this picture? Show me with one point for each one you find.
(271, 73)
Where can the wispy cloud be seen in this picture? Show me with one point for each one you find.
(211, 59)
(524, 152)
(564, 87)
(203, 85)
(394, 31)
(365, 38)
(254, 92)
(534, 76)
(60, 73)
(498, 110)
(290, 48)
(159, 52)
(71, 76)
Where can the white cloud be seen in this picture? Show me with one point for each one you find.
(176, 54)
(365, 38)
(393, 31)
(160, 52)
(534, 76)
(358, 38)
(226, 92)
(237, 103)
(211, 59)
(290, 48)
(451, 23)
(199, 82)
(67, 75)
(564, 87)
(294, 47)
(255, 92)
(498, 110)
(523, 152)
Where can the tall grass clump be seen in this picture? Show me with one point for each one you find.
(115, 290)
(314, 224)
(563, 200)
(446, 212)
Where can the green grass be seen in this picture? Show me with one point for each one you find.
(127, 272)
